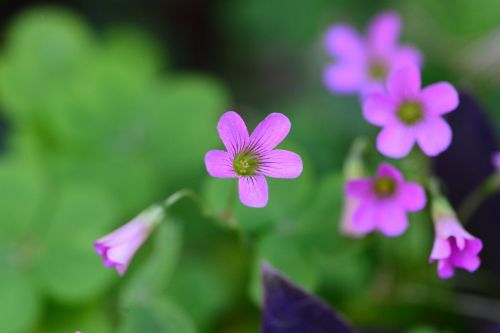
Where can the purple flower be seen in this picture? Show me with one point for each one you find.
(496, 160)
(251, 158)
(409, 114)
(362, 63)
(454, 247)
(118, 247)
(384, 201)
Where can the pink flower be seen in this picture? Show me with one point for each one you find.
(251, 158)
(362, 63)
(454, 247)
(118, 248)
(409, 114)
(384, 201)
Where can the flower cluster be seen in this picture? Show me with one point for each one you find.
(387, 78)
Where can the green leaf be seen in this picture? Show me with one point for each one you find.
(288, 256)
(69, 268)
(152, 277)
(21, 195)
(44, 52)
(156, 316)
(90, 318)
(20, 307)
(200, 288)
(182, 118)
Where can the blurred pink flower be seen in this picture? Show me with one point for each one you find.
(118, 247)
(454, 247)
(409, 114)
(362, 63)
(384, 201)
(251, 158)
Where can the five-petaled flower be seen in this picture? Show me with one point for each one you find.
(118, 247)
(384, 201)
(409, 114)
(251, 158)
(454, 247)
(362, 63)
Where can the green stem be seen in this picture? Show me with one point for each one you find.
(474, 200)
(186, 193)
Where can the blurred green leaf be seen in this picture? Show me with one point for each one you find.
(20, 306)
(153, 275)
(182, 118)
(199, 287)
(95, 317)
(21, 195)
(44, 53)
(288, 256)
(156, 316)
(69, 268)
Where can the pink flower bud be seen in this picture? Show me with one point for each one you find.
(118, 247)
(454, 247)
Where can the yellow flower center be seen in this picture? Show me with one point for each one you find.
(246, 164)
(410, 113)
(378, 70)
(384, 186)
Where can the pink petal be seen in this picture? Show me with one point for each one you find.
(395, 140)
(281, 164)
(253, 191)
(233, 132)
(219, 164)
(404, 82)
(344, 77)
(383, 33)
(392, 220)
(406, 55)
(365, 217)
(445, 269)
(412, 196)
(379, 109)
(387, 170)
(440, 250)
(439, 98)
(343, 42)
(433, 136)
(359, 188)
(270, 132)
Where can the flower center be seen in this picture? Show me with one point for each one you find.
(246, 164)
(384, 186)
(410, 113)
(378, 70)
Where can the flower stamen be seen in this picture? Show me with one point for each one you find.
(384, 186)
(410, 113)
(246, 164)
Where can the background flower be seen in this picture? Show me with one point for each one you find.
(362, 63)
(384, 201)
(409, 114)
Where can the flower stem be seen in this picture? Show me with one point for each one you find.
(186, 193)
(474, 200)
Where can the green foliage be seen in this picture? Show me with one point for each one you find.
(100, 127)
(156, 316)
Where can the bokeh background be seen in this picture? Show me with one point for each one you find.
(108, 106)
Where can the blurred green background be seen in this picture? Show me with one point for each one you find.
(108, 106)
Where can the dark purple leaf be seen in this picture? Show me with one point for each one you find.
(289, 309)
(465, 165)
